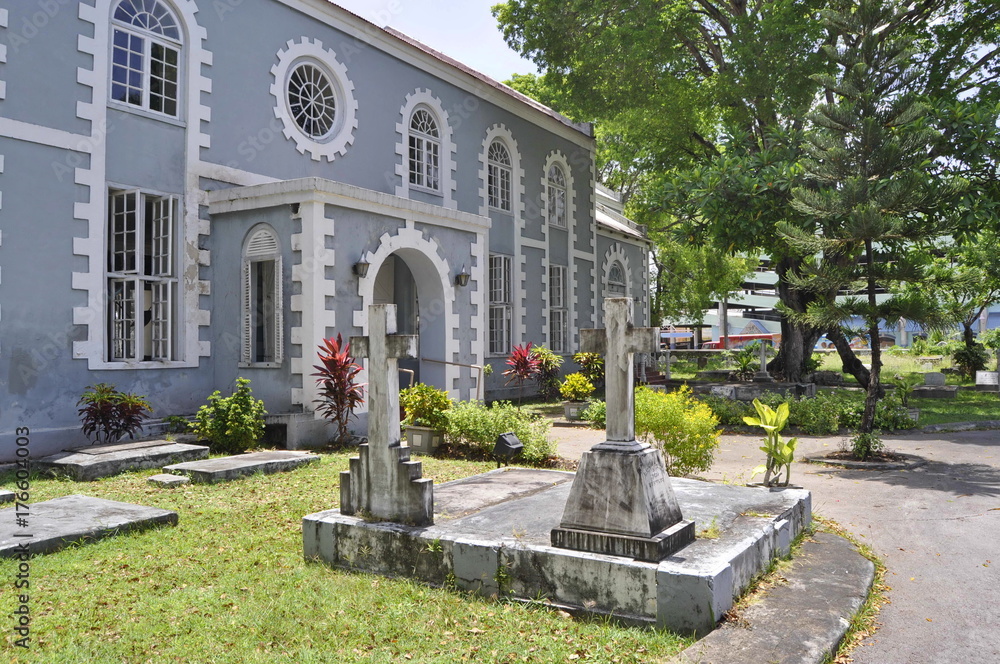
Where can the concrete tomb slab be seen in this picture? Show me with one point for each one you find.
(169, 481)
(6, 496)
(54, 524)
(498, 542)
(92, 463)
(224, 469)
(934, 379)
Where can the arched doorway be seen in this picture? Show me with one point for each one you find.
(411, 281)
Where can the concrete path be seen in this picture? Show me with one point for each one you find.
(937, 528)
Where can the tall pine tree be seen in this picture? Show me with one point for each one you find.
(868, 189)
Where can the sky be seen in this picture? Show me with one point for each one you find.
(463, 29)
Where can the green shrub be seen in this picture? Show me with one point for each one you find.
(576, 387)
(425, 406)
(232, 424)
(970, 360)
(815, 416)
(476, 425)
(729, 411)
(683, 428)
(548, 372)
(591, 366)
(865, 445)
(596, 413)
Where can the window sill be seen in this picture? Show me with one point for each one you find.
(426, 190)
(259, 365)
(146, 113)
(113, 365)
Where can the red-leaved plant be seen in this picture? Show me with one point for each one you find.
(339, 392)
(109, 415)
(524, 365)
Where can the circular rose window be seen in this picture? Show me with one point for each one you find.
(312, 101)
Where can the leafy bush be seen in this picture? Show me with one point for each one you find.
(969, 360)
(548, 372)
(815, 416)
(339, 392)
(576, 387)
(232, 424)
(729, 411)
(814, 362)
(476, 425)
(108, 415)
(596, 413)
(683, 428)
(591, 366)
(425, 406)
(865, 445)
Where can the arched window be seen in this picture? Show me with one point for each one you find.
(145, 58)
(499, 177)
(425, 150)
(617, 286)
(556, 185)
(262, 305)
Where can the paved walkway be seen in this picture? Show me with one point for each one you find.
(937, 528)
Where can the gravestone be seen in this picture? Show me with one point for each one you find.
(621, 501)
(383, 484)
(762, 376)
(934, 379)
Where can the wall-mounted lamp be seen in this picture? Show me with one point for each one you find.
(462, 278)
(361, 268)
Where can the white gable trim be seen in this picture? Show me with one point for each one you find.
(449, 151)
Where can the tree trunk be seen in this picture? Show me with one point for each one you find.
(968, 336)
(874, 388)
(850, 361)
(797, 341)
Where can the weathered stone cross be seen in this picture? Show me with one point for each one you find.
(382, 482)
(621, 502)
(618, 342)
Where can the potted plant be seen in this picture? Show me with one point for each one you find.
(780, 454)
(575, 389)
(425, 421)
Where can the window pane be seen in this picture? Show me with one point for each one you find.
(160, 311)
(162, 79)
(263, 310)
(122, 313)
(122, 233)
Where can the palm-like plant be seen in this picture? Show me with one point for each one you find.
(339, 393)
(780, 454)
(524, 365)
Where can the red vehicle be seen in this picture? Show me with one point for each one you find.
(741, 340)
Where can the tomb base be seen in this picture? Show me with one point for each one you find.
(649, 549)
(387, 488)
(622, 504)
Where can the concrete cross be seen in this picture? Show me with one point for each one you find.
(383, 348)
(618, 342)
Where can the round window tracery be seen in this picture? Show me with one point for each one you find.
(312, 100)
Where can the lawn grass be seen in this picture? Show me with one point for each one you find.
(967, 406)
(229, 584)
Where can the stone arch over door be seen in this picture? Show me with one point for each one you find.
(435, 297)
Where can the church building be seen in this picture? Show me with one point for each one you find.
(193, 191)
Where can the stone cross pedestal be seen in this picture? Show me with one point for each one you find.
(621, 502)
(762, 376)
(382, 482)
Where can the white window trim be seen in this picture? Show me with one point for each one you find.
(249, 257)
(500, 169)
(549, 188)
(346, 123)
(616, 254)
(137, 277)
(426, 140)
(503, 305)
(558, 306)
(447, 166)
(148, 38)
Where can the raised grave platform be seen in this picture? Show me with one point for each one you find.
(54, 524)
(224, 469)
(85, 464)
(492, 535)
(6, 496)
